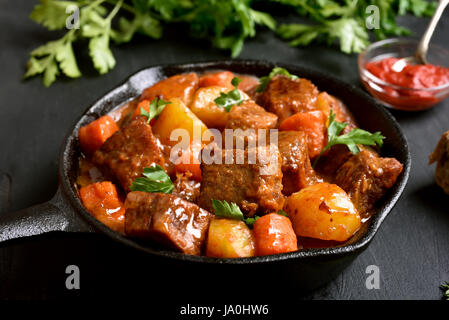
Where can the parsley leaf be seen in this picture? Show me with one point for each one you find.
(231, 211)
(154, 179)
(445, 288)
(251, 220)
(155, 108)
(231, 98)
(227, 210)
(282, 213)
(263, 82)
(226, 24)
(48, 57)
(351, 139)
(350, 31)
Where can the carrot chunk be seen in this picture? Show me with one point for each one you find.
(93, 135)
(144, 104)
(313, 123)
(221, 78)
(102, 201)
(274, 234)
(189, 161)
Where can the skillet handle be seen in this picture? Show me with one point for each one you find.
(54, 215)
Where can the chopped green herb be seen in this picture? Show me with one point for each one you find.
(154, 179)
(282, 213)
(275, 72)
(231, 211)
(155, 109)
(351, 139)
(250, 221)
(226, 24)
(231, 98)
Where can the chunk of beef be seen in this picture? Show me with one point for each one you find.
(366, 177)
(166, 219)
(128, 151)
(333, 159)
(186, 187)
(297, 171)
(249, 115)
(254, 185)
(182, 86)
(249, 85)
(441, 156)
(285, 97)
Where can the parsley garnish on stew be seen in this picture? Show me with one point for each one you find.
(282, 213)
(231, 98)
(232, 211)
(154, 179)
(351, 139)
(275, 72)
(155, 108)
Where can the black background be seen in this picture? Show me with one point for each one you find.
(411, 249)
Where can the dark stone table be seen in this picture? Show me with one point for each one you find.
(411, 249)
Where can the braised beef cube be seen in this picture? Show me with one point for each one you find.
(127, 152)
(333, 159)
(366, 177)
(285, 97)
(297, 171)
(249, 115)
(166, 219)
(254, 183)
(186, 187)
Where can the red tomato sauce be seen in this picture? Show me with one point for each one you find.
(411, 76)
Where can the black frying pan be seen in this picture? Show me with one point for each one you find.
(304, 269)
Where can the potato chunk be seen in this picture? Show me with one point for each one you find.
(323, 211)
(177, 116)
(204, 107)
(228, 238)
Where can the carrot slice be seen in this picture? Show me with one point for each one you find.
(93, 135)
(144, 104)
(274, 234)
(313, 123)
(221, 78)
(189, 161)
(102, 201)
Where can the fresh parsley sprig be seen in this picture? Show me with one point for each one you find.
(231, 211)
(155, 107)
(445, 288)
(263, 82)
(226, 24)
(282, 213)
(154, 179)
(351, 139)
(231, 98)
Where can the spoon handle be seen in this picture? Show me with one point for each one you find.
(423, 45)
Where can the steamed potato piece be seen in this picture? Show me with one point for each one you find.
(205, 108)
(229, 238)
(323, 211)
(177, 116)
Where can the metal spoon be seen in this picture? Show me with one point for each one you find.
(423, 46)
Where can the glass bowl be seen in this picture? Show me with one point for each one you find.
(398, 97)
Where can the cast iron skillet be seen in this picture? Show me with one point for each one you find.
(305, 269)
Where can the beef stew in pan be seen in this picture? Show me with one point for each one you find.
(228, 165)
